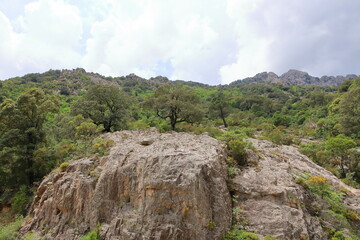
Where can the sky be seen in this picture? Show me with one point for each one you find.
(208, 41)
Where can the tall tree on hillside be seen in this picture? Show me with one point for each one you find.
(21, 133)
(106, 105)
(175, 103)
(219, 107)
(350, 109)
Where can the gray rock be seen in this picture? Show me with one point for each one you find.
(270, 200)
(171, 189)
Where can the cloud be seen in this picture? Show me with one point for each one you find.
(49, 36)
(317, 36)
(209, 41)
(140, 38)
(8, 45)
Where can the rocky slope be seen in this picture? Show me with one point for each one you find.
(151, 186)
(175, 186)
(296, 78)
(273, 204)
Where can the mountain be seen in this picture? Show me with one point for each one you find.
(297, 78)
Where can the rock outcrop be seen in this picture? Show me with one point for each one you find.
(270, 200)
(151, 186)
(296, 78)
(175, 186)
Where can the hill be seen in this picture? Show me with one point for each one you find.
(63, 123)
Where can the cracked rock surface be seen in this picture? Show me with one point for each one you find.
(150, 186)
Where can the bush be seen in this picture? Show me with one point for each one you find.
(102, 146)
(10, 231)
(32, 236)
(237, 150)
(94, 235)
(21, 200)
(240, 235)
(63, 166)
(279, 137)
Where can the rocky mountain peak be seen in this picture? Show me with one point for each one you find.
(297, 78)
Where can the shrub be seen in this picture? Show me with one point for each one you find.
(63, 166)
(237, 150)
(211, 225)
(270, 238)
(102, 146)
(10, 231)
(20, 201)
(94, 235)
(32, 236)
(236, 234)
(279, 137)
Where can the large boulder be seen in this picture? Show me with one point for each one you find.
(150, 186)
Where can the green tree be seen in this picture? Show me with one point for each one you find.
(21, 133)
(339, 147)
(350, 109)
(104, 105)
(219, 107)
(175, 103)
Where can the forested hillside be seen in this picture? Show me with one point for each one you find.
(47, 119)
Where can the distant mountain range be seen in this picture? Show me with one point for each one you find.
(296, 77)
(80, 78)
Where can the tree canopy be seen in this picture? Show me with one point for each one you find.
(175, 103)
(104, 105)
(21, 133)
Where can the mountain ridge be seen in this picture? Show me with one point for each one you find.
(292, 77)
(297, 78)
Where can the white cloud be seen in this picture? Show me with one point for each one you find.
(140, 37)
(209, 41)
(317, 36)
(8, 45)
(49, 36)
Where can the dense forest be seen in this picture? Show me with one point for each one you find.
(50, 118)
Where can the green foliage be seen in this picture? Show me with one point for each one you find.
(337, 212)
(94, 235)
(63, 166)
(211, 225)
(21, 133)
(104, 105)
(10, 231)
(102, 146)
(240, 235)
(278, 136)
(270, 238)
(237, 150)
(349, 109)
(21, 200)
(313, 150)
(175, 103)
(339, 148)
(32, 236)
(219, 107)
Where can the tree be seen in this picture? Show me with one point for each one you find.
(175, 103)
(21, 133)
(339, 147)
(219, 107)
(350, 109)
(104, 105)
